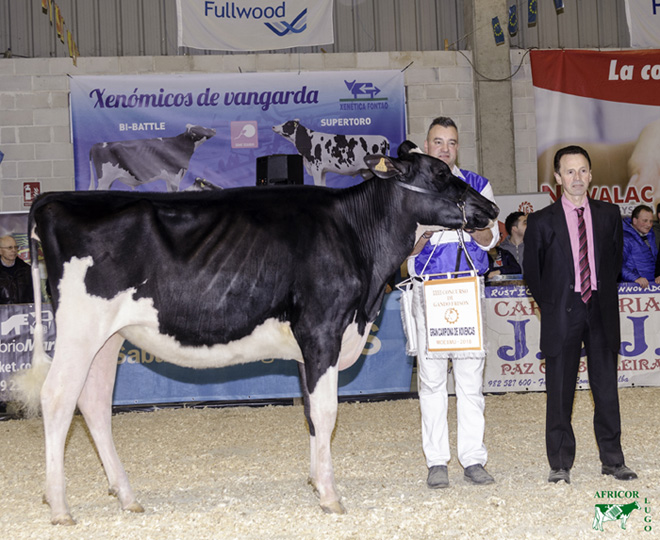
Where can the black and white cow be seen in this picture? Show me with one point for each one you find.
(209, 279)
(141, 161)
(326, 152)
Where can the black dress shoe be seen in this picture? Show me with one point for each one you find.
(438, 477)
(557, 475)
(478, 475)
(620, 472)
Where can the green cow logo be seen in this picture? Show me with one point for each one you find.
(613, 512)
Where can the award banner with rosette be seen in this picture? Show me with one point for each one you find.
(454, 319)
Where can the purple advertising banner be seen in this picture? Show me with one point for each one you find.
(163, 132)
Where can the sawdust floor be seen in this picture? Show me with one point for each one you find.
(240, 473)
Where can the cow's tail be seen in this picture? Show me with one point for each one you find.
(26, 384)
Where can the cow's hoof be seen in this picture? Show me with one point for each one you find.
(135, 507)
(64, 519)
(333, 508)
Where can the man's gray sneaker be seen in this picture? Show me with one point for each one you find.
(438, 477)
(478, 475)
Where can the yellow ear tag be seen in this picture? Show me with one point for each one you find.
(381, 167)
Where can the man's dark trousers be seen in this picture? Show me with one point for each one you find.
(585, 325)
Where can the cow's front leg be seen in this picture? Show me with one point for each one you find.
(323, 415)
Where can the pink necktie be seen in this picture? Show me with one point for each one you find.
(585, 271)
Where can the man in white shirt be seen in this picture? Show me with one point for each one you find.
(440, 253)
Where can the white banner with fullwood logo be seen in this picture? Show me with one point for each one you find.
(643, 23)
(454, 320)
(257, 25)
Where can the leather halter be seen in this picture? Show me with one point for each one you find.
(460, 202)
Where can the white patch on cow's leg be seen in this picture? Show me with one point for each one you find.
(323, 412)
(57, 419)
(59, 395)
(95, 404)
(312, 463)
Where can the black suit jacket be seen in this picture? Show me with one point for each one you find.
(550, 275)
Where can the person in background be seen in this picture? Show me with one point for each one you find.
(573, 254)
(639, 248)
(515, 225)
(656, 228)
(502, 263)
(437, 253)
(15, 275)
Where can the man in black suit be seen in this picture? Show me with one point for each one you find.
(573, 255)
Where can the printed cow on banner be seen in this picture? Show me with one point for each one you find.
(325, 152)
(223, 277)
(140, 161)
(613, 512)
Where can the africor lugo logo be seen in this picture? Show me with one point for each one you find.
(619, 512)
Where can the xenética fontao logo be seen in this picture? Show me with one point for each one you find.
(620, 509)
(365, 95)
(365, 100)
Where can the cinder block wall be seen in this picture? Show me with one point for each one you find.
(35, 123)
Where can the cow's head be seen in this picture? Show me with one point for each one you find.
(288, 129)
(199, 133)
(441, 199)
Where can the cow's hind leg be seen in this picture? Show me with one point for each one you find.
(95, 403)
(59, 394)
(321, 413)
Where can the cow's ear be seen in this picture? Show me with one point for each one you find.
(406, 147)
(385, 166)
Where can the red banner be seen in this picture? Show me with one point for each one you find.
(625, 76)
(609, 103)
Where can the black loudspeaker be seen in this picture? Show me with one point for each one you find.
(280, 169)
